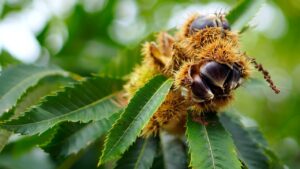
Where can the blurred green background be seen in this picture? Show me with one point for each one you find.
(93, 36)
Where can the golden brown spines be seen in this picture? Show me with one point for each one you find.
(226, 53)
(165, 43)
(215, 105)
(153, 56)
(140, 76)
(185, 29)
(154, 61)
(182, 78)
(159, 54)
(194, 59)
(170, 115)
(210, 44)
(193, 45)
(177, 59)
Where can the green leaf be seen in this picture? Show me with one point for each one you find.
(35, 93)
(35, 159)
(158, 162)
(14, 81)
(27, 143)
(6, 59)
(89, 100)
(71, 138)
(140, 155)
(174, 152)
(30, 98)
(4, 136)
(139, 111)
(242, 13)
(210, 146)
(251, 146)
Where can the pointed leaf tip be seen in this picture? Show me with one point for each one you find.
(15, 80)
(85, 101)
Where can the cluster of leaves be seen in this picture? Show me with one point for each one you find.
(64, 114)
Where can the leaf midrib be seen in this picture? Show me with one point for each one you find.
(255, 142)
(73, 135)
(139, 114)
(209, 147)
(64, 115)
(141, 154)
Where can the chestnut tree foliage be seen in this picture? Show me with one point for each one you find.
(79, 121)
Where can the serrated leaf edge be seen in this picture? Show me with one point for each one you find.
(54, 94)
(54, 73)
(106, 139)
